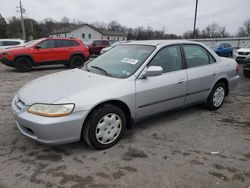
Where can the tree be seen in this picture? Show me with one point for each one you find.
(14, 28)
(65, 22)
(48, 26)
(244, 31)
(100, 25)
(214, 31)
(115, 26)
(3, 27)
(33, 29)
(189, 34)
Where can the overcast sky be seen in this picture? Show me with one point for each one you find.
(176, 15)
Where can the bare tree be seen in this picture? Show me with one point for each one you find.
(3, 27)
(115, 26)
(100, 25)
(13, 28)
(214, 31)
(190, 34)
(244, 31)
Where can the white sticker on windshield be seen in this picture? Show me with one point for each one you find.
(130, 61)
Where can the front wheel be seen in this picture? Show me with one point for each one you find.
(23, 64)
(104, 127)
(216, 97)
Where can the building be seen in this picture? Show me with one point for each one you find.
(88, 33)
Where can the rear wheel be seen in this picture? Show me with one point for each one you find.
(76, 61)
(216, 97)
(104, 127)
(23, 64)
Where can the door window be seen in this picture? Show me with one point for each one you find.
(47, 44)
(105, 42)
(197, 56)
(10, 43)
(65, 43)
(169, 58)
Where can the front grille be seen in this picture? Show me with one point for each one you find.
(240, 58)
(244, 53)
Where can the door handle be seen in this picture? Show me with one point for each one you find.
(214, 74)
(180, 81)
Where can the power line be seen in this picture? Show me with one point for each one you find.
(22, 11)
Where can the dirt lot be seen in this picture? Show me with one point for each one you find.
(172, 150)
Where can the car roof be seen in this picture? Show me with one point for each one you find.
(61, 38)
(161, 42)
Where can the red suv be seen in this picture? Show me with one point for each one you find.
(68, 51)
(96, 46)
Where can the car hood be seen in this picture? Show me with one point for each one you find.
(54, 87)
(244, 50)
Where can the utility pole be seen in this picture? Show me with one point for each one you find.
(195, 15)
(22, 11)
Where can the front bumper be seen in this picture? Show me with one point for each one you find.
(6, 62)
(59, 130)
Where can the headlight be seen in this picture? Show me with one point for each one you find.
(6, 53)
(51, 110)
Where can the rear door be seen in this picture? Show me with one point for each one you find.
(63, 49)
(201, 72)
(167, 91)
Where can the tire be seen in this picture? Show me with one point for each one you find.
(214, 103)
(23, 64)
(230, 54)
(246, 73)
(100, 122)
(76, 61)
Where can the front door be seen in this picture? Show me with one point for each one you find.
(46, 53)
(167, 91)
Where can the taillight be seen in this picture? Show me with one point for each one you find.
(237, 68)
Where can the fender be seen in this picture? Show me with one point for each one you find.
(23, 55)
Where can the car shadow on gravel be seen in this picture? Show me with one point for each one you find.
(36, 69)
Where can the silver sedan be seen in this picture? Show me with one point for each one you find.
(121, 87)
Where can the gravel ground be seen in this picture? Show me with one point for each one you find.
(173, 150)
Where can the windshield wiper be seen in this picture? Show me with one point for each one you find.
(102, 70)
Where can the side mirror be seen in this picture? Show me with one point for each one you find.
(152, 71)
(38, 47)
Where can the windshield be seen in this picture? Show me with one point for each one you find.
(120, 62)
(32, 43)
